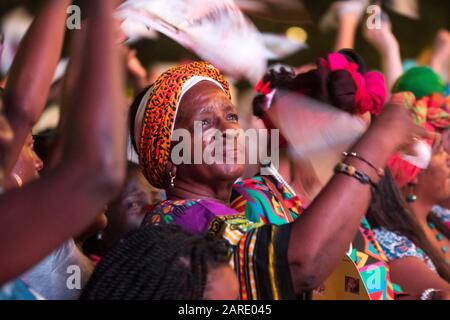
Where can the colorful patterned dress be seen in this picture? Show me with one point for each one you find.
(258, 252)
(258, 199)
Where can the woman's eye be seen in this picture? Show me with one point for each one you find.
(233, 117)
(133, 205)
(205, 122)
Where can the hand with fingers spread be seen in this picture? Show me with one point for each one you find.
(382, 38)
(404, 133)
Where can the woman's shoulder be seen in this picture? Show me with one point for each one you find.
(194, 215)
(264, 199)
(397, 246)
(163, 211)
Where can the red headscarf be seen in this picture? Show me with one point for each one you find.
(403, 171)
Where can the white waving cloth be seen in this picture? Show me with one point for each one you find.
(316, 132)
(217, 31)
(279, 46)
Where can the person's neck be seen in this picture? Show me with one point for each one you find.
(305, 186)
(221, 191)
(445, 203)
(421, 208)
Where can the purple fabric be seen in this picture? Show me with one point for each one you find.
(198, 218)
(194, 216)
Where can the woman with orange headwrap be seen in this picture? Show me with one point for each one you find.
(271, 262)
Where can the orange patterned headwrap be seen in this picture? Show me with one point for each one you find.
(158, 112)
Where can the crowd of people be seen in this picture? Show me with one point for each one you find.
(98, 208)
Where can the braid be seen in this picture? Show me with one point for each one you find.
(156, 262)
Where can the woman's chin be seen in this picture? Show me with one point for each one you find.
(229, 172)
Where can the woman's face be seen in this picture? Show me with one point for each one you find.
(211, 120)
(27, 166)
(434, 182)
(128, 210)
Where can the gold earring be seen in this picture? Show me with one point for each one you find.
(172, 180)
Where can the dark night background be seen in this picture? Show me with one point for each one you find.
(413, 35)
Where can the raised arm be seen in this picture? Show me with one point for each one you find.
(322, 234)
(36, 219)
(384, 41)
(345, 38)
(32, 73)
(402, 269)
(440, 56)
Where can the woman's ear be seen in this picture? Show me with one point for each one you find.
(171, 169)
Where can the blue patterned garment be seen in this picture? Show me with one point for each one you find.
(442, 214)
(17, 290)
(397, 246)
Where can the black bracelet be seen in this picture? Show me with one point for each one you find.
(352, 172)
(379, 171)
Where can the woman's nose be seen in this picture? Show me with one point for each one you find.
(39, 164)
(447, 159)
(6, 133)
(230, 133)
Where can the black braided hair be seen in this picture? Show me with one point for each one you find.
(154, 263)
(336, 88)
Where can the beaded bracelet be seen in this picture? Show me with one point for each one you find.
(428, 294)
(379, 171)
(352, 172)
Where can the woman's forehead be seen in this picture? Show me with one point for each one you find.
(203, 96)
(204, 89)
